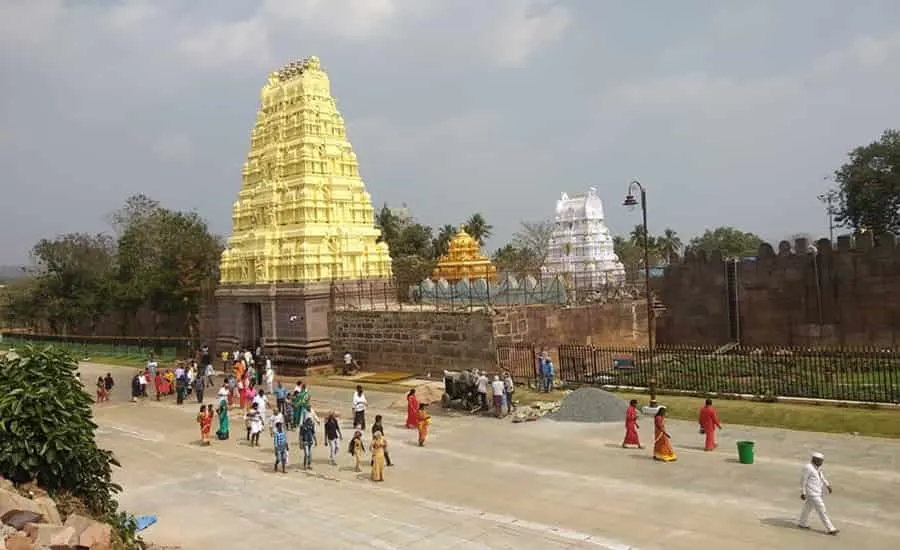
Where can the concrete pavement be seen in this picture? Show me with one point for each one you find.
(486, 483)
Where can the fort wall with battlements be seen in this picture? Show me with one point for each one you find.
(800, 294)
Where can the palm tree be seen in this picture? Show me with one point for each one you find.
(669, 245)
(478, 228)
(389, 224)
(442, 242)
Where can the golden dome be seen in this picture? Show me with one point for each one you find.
(464, 260)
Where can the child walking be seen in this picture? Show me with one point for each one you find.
(357, 449)
(281, 447)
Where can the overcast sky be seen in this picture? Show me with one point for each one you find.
(731, 112)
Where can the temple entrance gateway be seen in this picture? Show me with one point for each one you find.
(253, 329)
(302, 225)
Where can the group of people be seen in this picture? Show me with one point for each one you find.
(104, 386)
(662, 441)
(500, 389)
(813, 484)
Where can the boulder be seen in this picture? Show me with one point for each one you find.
(6, 484)
(48, 510)
(16, 510)
(54, 536)
(19, 542)
(91, 534)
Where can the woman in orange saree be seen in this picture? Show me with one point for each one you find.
(412, 409)
(662, 443)
(423, 420)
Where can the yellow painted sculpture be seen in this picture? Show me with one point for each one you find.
(464, 260)
(303, 213)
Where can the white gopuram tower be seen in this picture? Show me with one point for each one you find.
(581, 247)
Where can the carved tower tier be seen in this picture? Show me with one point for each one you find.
(303, 223)
(581, 247)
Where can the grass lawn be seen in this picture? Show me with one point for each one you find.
(809, 418)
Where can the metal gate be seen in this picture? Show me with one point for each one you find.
(520, 360)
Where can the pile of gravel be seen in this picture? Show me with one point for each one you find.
(591, 405)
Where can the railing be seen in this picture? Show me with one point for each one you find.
(847, 374)
(135, 350)
(520, 361)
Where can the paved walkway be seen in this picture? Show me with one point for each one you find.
(485, 483)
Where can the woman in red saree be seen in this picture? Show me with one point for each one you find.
(204, 418)
(412, 409)
(662, 443)
(709, 423)
(631, 426)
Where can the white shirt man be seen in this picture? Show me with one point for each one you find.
(261, 403)
(248, 358)
(497, 387)
(348, 360)
(270, 375)
(482, 385)
(812, 485)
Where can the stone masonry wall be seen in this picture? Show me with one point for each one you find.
(617, 324)
(843, 295)
(416, 341)
(429, 341)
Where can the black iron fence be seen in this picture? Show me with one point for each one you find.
(851, 374)
(520, 361)
(127, 349)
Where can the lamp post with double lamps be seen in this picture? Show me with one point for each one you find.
(631, 201)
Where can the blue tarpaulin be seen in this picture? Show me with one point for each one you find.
(144, 521)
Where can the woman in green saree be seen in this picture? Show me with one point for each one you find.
(223, 419)
(300, 402)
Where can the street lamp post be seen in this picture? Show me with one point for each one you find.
(630, 201)
(828, 199)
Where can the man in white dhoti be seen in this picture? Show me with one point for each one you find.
(811, 487)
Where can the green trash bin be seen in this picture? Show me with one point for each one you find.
(745, 452)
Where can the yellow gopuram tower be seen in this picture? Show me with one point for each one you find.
(303, 223)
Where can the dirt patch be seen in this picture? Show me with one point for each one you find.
(425, 393)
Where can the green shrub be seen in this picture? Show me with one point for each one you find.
(46, 430)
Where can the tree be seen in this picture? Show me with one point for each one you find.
(21, 305)
(630, 254)
(46, 430)
(517, 261)
(414, 239)
(389, 223)
(442, 241)
(165, 260)
(731, 242)
(478, 228)
(534, 237)
(868, 197)
(74, 279)
(669, 245)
